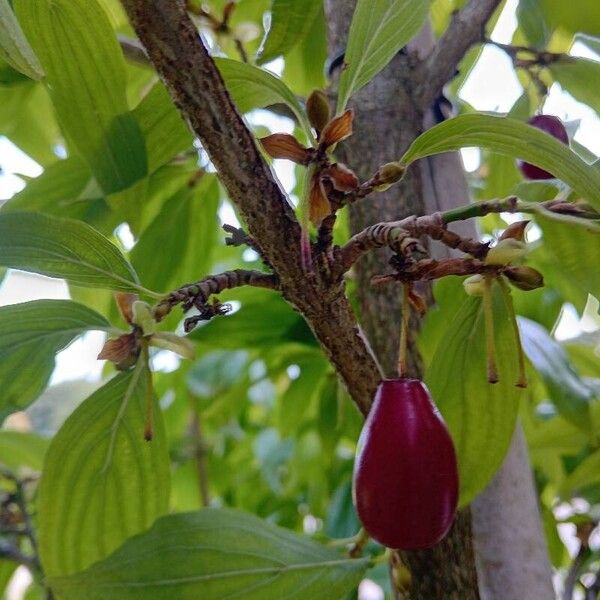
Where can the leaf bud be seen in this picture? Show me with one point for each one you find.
(515, 231)
(505, 252)
(474, 285)
(143, 318)
(317, 109)
(525, 278)
(387, 175)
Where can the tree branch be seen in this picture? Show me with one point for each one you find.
(176, 50)
(197, 294)
(465, 29)
(402, 237)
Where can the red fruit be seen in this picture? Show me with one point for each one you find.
(405, 473)
(553, 126)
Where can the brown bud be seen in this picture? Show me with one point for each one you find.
(525, 278)
(338, 129)
(283, 145)
(343, 179)
(387, 175)
(317, 109)
(515, 231)
(124, 303)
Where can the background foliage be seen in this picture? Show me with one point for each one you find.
(258, 421)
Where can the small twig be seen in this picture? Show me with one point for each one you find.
(540, 58)
(197, 294)
(593, 590)
(241, 50)
(360, 541)
(429, 269)
(465, 29)
(402, 238)
(574, 572)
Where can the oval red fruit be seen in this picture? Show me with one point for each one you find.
(553, 126)
(405, 474)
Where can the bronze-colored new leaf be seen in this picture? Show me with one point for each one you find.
(343, 178)
(318, 204)
(123, 351)
(283, 145)
(338, 129)
(124, 304)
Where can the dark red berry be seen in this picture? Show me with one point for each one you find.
(405, 474)
(553, 126)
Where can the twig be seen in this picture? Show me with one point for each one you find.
(541, 58)
(197, 294)
(402, 238)
(574, 572)
(465, 29)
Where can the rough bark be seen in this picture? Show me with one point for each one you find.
(388, 118)
(500, 521)
(175, 48)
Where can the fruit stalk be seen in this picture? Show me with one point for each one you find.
(149, 429)
(403, 350)
(522, 377)
(490, 342)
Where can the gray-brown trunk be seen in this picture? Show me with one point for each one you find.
(385, 123)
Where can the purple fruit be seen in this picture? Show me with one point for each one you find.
(553, 126)
(405, 474)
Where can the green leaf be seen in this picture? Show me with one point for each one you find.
(296, 400)
(14, 47)
(63, 248)
(59, 186)
(532, 23)
(27, 119)
(513, 138)
(7, 569)
(164, 129)
(22, 449)
(101, 482)
(567, 391)
(379, 29)
(85, 73)
(580, 77)
(592, 42)
(304, 69)
(574, 248)
(215, 554)
(185, 231)
(582, 17)
(290, 22)
(586, 474)
(252, 87)
(216, 372)
(30, 335)
(481, 416)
